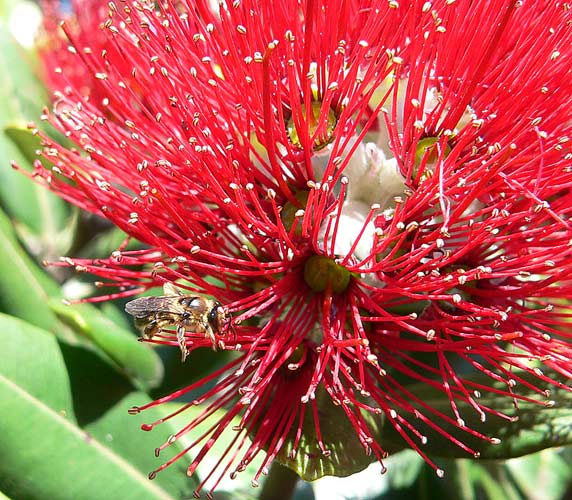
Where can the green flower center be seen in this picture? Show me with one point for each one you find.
(322, 273)
(313, 123)
(290, 212)
(427, 147)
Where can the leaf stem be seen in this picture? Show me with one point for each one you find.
(279, 484)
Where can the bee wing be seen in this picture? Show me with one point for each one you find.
(170, 289)
(146, 306)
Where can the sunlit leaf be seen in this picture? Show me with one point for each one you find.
(240, 486)
(137, 360)
(44, 386)
(42, 451)
(122, 433)
(24, 287)
(21, 99)
(345, 452)
(31, 357)
(545, 475)
(531, 427)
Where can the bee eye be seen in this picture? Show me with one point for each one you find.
(213, 316)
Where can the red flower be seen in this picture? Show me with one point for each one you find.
(57, 55)
(380, 190)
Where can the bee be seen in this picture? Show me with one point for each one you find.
(195, 312)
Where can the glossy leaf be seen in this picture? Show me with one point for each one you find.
(136, 360)
(403, 469)
(122, 433)
(32, 359)
(21, 100)
(346, 454)
(546, 474)
(472, 479)
(24, 287)
(240, 486)
(45, 454)
(198, 363)
(115, 314)
(106, 242)
(42, 451)
(102, 397)
(532, 427)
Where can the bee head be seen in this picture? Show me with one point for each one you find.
(218, 318)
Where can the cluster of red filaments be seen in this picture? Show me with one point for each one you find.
(227, 144)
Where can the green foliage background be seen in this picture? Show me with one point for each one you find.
(68, 374)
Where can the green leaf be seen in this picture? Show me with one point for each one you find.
(533, 427)
(475, 479)
(198, 363)
(46, 456)
(21, 99)
(122, 433)
(104, 243)
(547, 472)
(346, 453)
(102, 398)
(24, 287)
(113, 313)
(32, 357)
(404, 468)
(136, 360)
(545, 475)
(240, 486)
(96, 385)
(24, 139)
(22, 92)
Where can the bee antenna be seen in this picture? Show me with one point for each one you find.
(232, 328)
(229, 321)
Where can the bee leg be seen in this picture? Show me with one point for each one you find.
(210, 334)
(182, 342)
(150, 329)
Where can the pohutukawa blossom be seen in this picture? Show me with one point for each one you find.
(59, 62)
(378, 193)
